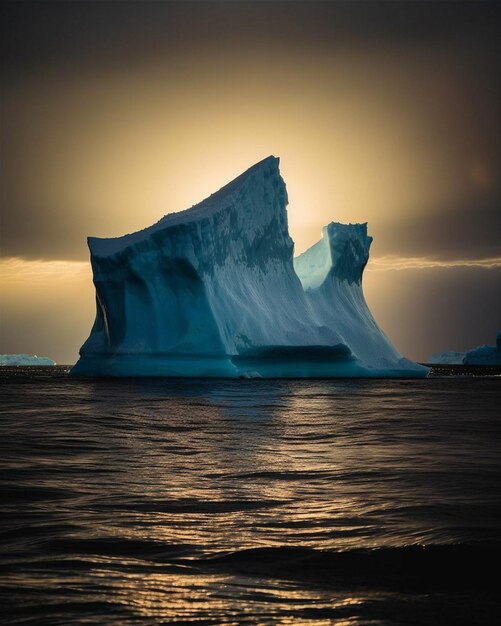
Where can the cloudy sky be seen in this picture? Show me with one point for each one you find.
(115, 113)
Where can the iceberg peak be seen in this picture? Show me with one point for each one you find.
(267, 168)
(342, 253)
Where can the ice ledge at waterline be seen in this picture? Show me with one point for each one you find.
(215, 291)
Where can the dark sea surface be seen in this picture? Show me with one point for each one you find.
(161, 501)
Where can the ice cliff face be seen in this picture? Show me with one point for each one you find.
(214, 291)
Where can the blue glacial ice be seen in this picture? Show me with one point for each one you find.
(215, 291)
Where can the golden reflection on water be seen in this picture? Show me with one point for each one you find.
(155, 595)
(237, 486)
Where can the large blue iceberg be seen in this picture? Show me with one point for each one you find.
(215, 291)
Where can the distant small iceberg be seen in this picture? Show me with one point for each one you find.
(446, 358)
(481, 355)
(485, 355)
(18, 360)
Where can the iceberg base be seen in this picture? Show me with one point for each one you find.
(275, 366)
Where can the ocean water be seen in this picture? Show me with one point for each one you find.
(161, 501)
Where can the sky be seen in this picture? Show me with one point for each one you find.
(116, 113)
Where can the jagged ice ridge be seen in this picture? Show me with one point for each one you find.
(215, 291)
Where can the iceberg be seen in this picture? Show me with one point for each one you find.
(485, 355)
(19, 360)
(481, 355)
(446, 358)
(214, 291)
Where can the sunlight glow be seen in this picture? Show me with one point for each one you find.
(388, 263)
(19, 269)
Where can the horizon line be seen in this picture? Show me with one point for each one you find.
(12, 267)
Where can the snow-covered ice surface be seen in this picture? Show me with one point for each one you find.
(214, 291)
(14, 360)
